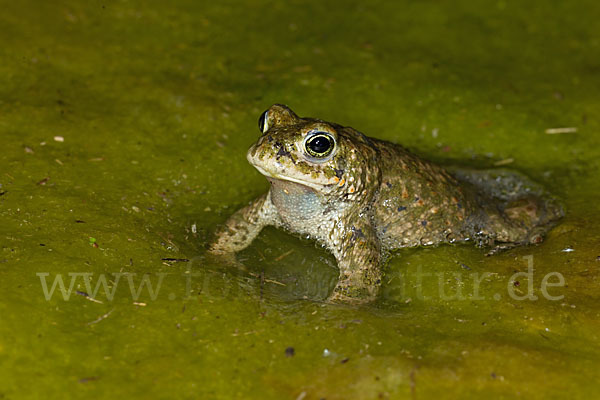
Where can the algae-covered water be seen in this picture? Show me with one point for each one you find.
(123, 132)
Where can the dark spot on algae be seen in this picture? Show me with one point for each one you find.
(290, 352)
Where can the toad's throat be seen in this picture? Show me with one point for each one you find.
(297, 200)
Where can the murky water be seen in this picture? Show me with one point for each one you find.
(123, 132)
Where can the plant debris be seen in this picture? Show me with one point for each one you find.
(504, 162)
(87, 296)
(284, 255)
(266, 280)
(556, 131)
(465, 266)
(100, 318)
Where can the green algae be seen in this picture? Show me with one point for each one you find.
(157, 104)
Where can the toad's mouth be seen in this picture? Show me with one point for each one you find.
(275, 176)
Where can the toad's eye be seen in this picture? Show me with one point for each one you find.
(263, 122)
(319, 145)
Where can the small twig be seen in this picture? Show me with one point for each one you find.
(503, 162)
(100, 318)
(275, 282)
(555, 131)
(88, 297)
(267, 280)
(236, 333)
(284, 255)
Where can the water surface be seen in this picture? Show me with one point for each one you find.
(123, 132)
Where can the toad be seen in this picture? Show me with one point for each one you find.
(361, 198)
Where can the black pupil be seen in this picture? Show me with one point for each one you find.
(320, 144)
(261, 121)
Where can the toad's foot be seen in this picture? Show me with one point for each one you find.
(338, 297)
(224, 258)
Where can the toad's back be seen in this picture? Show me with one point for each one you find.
(421, 203)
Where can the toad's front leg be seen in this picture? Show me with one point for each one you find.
(243, 226)
(358, 258)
